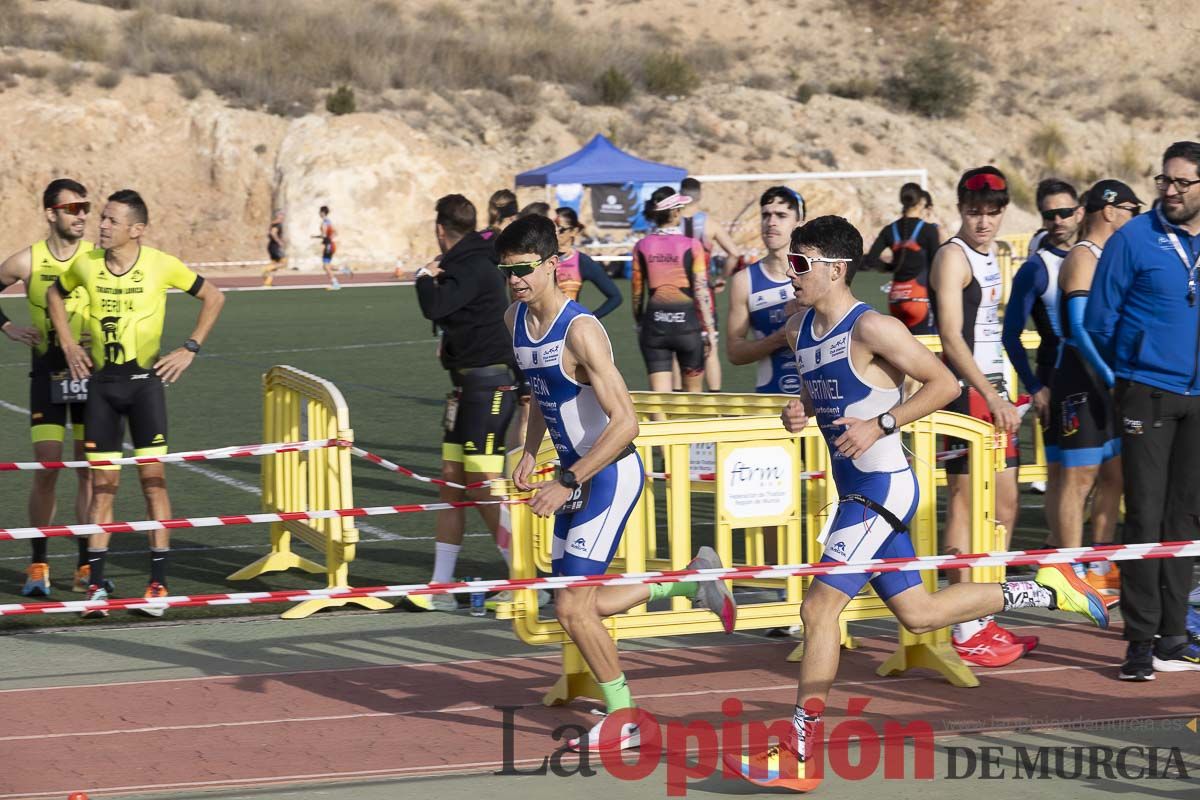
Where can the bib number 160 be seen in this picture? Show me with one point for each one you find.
(65, 389)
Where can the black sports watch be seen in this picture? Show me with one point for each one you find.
(887, 423)
(192, 346)
(567, 479)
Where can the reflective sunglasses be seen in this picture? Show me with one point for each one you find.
(522, 268)
(985, 180)
(1060, 213)
(800, 264)
(75, 209)
(1161, 182)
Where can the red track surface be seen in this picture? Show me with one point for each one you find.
(439, 718)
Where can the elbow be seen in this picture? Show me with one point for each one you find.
(951, 389)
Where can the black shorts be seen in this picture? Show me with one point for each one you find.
(669, 334)
(47, 420)
(477, 415)
(275, 252)
(1083, 412)
(971, 403)
(140, 398)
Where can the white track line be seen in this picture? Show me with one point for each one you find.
(261, 288)
(238, 353)
(450, 709)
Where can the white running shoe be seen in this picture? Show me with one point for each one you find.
(433, 602)
(714, 595)
(628, 738)
(509, 596)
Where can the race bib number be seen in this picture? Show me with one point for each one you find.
(451, 412)
(65, 389)
(577, 501)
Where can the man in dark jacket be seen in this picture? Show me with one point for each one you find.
(465, 296)
(1144, 316)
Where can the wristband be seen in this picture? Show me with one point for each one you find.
(192, 346)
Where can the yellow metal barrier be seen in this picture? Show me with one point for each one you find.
(299, 406)
(757, 468)
(1011, 252)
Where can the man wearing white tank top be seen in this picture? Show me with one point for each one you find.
(967, 289)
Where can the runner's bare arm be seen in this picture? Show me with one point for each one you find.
(740, 349)
(889, 340)
(588, 344)
(78, 360)
(171, 366)
(1077, 270)
(16, 268)
(791, 334)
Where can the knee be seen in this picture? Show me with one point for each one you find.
(915, 620)
(45, 480)
(154, 484)
(817, 617)
(571, 611)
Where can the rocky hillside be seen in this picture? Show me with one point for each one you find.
(1090, 90)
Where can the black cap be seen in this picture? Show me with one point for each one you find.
(1109, 193)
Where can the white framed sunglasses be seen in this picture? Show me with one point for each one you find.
(800, 264)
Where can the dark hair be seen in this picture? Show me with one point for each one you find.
(570, 215)
(1189, 151)
(927, 197)
(783, 194)
(985, 197)
(323, 210)
(532, 234)
(689, 186)
(832, 237)
(456, 214)
(539, 208)
(501, 205)
(910, 195)
(59, 185)
(1050, 186)
(658, 217)
(130, 198)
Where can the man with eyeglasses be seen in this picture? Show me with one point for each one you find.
(1144, 316)
(38, 266)
(1035, 293)
(1081, 408)
(465, 297)
(854, 363)
(966, 287)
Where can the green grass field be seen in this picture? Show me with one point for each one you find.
(375, 346)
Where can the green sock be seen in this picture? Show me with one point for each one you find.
(616, 693)
(684, 589)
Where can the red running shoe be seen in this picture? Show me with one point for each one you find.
(985, 650)
(1006, 636)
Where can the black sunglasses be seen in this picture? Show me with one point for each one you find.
(1059, 213)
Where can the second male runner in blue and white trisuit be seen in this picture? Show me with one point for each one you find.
(581, 400)
(761, 299)
(854, 362)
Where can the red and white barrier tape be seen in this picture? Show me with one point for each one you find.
(233, 451)
(1153, 550)
(90, 529)
(408, 473)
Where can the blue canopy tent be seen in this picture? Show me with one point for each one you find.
(618, 179)
(601, 161)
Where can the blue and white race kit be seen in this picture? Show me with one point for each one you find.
(768, 301)
(589, 528)
(882, 475)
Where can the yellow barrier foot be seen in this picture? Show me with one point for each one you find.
(576, 681)
(310, 607)
(937, 656)
(275, 562)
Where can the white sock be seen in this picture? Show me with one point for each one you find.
(1101, 567)
(445, 558)
(802, 724)
(965, 630)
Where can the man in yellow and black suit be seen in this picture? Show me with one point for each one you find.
(52, 397)
(127, 285)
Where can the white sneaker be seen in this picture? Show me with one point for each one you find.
(99, 595)
(714, 595)
(433, 602)
(628, 738)
(1038, 487)
(509, 596)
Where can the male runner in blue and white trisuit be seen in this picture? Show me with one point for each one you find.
(582, 401)
(854, 361)
(761, 299)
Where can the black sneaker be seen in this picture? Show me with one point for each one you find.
(1139, 662)
(1182, 658)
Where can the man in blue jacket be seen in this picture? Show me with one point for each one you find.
(1144, 316)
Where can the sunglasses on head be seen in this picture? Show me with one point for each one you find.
(1060, 213)
(800, 264)
(522, 268)
(81, 207)
(985, 180)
